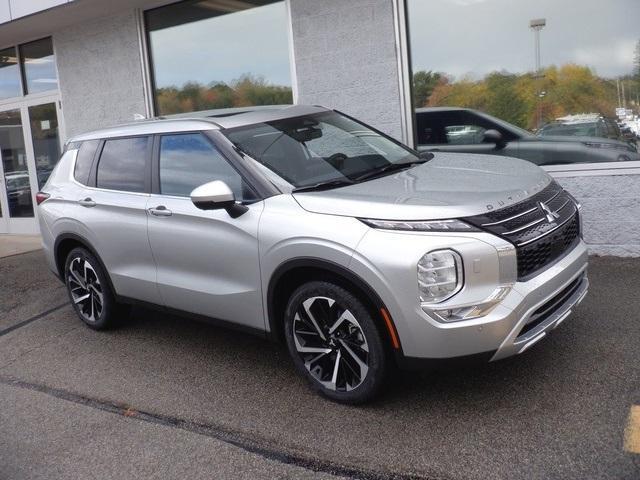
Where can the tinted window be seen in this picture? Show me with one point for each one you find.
(190, 160)
(457, 127)
(84, 160)
(39, 66)
(209, 54)
(123, 164)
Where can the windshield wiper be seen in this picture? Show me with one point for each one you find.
(391, 167)
(324, 185)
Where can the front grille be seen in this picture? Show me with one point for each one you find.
(538, 241)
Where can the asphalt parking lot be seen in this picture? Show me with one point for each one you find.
(164, 397)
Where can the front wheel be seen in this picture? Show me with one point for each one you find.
(335, 343)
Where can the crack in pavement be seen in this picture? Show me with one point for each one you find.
(228, 436)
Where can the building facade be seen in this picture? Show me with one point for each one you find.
(68, 66)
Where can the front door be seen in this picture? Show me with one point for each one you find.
(30, 145)
(207, 261)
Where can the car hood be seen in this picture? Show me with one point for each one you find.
(451, 185)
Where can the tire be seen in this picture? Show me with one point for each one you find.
(89, 291)
(335, 343)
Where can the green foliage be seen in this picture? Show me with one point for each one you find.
(246, 91)
(516, 98)
(423, 85)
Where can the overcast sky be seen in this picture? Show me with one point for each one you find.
(475, 37)
(225, 47)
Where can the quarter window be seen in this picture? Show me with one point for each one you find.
(190, 160)
(84, 160)
(123, 164)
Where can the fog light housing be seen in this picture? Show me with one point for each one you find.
(473, 311)
(440, 276)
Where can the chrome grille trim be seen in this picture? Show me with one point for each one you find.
(510, 218)
(548, 232)
(519, 229)
(542, 227)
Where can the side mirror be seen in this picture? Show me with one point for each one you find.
(217, 195)
(494, 136)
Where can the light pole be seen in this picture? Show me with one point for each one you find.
(537, 25)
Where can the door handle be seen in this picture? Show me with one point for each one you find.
(87, 202)
(160, 211)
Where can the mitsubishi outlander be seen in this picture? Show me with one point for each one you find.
(308, 226)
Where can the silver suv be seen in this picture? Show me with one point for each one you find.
(307, 226)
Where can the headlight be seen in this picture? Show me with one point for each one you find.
(421, 226)
(439, 276)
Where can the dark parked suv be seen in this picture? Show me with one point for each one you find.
(464, 130)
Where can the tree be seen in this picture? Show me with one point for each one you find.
(423, 85)
(244, 91)
(636, 62)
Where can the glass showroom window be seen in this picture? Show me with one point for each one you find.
(218, 54)
(551, 82)
(32, 71)
(38, 66)
(9, 74)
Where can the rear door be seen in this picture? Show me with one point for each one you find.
(207, 262)
(111, 209)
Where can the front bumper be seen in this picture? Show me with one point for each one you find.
(525, 316)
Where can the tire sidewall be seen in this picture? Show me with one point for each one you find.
(378, 361)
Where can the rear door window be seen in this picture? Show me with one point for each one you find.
(124, 165)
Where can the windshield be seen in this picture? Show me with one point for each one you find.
(325, 148)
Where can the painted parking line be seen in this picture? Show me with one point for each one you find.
(632, 431)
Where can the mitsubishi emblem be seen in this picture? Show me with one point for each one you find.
(550, 215)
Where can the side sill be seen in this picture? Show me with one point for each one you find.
(194, 316)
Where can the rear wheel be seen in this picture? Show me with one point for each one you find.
(335, 342)
(89, 290)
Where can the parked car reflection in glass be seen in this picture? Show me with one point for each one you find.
(465, 130)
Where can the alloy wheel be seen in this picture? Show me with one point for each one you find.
(85, 289)
(331, 343)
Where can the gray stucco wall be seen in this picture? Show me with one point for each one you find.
(611, 212)
(100, 72)
(346, 58)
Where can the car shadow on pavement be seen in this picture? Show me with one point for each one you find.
(250, 355)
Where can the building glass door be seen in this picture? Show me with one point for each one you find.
(29, 149)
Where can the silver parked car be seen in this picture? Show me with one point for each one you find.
(308, 226)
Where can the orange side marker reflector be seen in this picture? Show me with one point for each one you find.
(392, 331)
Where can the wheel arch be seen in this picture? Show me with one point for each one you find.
(291, 274)
(66, 242)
